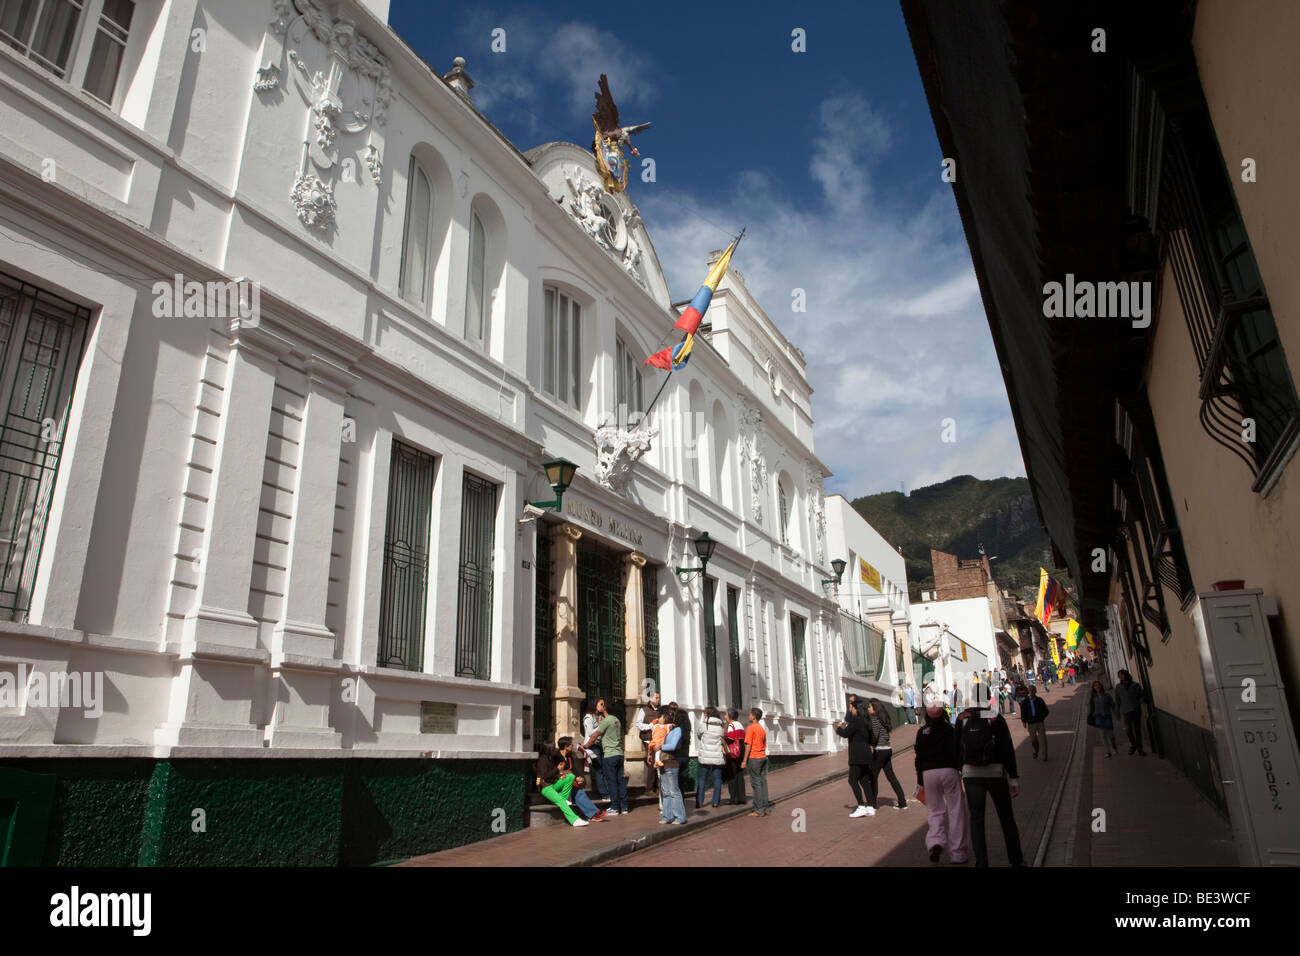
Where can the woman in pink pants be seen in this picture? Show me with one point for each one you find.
(936, 768)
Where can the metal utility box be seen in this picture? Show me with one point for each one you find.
(1252, 727)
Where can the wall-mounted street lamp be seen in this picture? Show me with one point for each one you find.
(559, 472)
(838, 567)
(704, 546)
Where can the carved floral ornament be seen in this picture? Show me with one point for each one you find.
(346, 85)
(609, 224)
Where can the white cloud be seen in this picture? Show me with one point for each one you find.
(895, 334)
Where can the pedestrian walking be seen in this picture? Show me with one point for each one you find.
(672, 806)
(882, 753)
(858, 733)
(940, 776)
(1070, 670)
(755, 761)
(609, 731)
(712, 728)
(735, 753)
(1033, 712)
(1128, 695)
(988, 769)
(909, 703)
(1101, 715)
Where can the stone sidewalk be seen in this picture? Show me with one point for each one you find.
(618, 836)
(1153, 815)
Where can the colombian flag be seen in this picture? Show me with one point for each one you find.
(689, 321)
(1051, 598)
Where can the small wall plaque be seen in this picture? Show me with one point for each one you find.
(437, 717)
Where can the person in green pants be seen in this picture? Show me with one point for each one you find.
(557, 786)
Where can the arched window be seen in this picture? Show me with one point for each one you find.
(627, 379)
(721, 460)
(416, 242)
(783, 504)
(476, 295)
(561, 348)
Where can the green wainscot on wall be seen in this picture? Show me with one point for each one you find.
(266, 812)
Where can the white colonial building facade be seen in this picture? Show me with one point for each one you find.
(289, 330)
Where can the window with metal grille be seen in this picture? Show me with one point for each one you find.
(478, 519)
(864, 644)
(476, 296)
(797, 626)
(404, 592)
(49, 32)
(650, 597)
(710, 642)
(41, 341)
(733, 635)
(417, 238)
(1179, 184)
(561, 348)
(544, 639)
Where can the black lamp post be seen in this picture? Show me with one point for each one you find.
(704, 546)
(559, 472)
(838, 567)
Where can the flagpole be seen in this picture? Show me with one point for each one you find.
(646, 415)
(657, 394)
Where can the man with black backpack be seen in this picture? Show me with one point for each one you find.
(988, 769)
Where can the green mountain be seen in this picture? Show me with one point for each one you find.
(957, 516)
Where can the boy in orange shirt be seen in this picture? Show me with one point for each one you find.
(755, 761)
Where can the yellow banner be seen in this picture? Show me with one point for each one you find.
(870, 575)
(1072, 635)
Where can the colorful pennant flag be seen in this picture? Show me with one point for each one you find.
(1072, 635)
(672, 359)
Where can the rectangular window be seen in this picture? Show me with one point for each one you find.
(41, 341)
(710, 642)
(733, 627)
(405, 589)
(474, 608)
(561, 349)
(42, 30)
(108, 48)
(797, 625)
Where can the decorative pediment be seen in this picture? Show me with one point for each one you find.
(610, 224)
(608, 219)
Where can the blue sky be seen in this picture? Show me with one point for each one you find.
(828, 157)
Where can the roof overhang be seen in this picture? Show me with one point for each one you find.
(1038, 125)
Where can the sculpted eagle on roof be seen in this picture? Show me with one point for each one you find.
(606, 118)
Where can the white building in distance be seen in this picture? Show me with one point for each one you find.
(874, 605)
